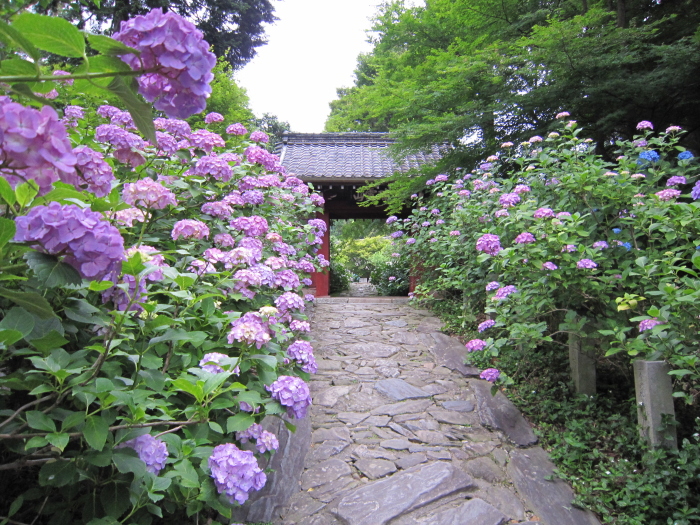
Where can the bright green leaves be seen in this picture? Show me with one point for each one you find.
(141, 112)
(52, 34)
(50, 271)
(95, 432)
(108, 46)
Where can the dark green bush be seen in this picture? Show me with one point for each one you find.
(339, 277)
(382, 275)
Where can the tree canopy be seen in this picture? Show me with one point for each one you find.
(476, 73)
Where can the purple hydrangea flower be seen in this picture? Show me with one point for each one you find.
(504, 292)
(441, 178)
(476, 345)
(190, 229)
(253, 197)
(33, 145)
(176, 50)
(258, 155)
(569, 248)
(235, 472)
(217, 209)
(224, 240)
(490, 374)
(303, 353)
(206, 140)
(92, 172)
(501, 213)
(250, 328)
(601, 245)
(493, 285)
(521, 188)
(82, 237)
(648, 324)
(542, 213)
(213, 117)
(586, 264)
(293, 393)
(300, 326)
(149, 194)
(71, 115)
(287, 280)
(253, 226)
(549, 266)
(128, 216)
(489, 243)
(179, 128)
(289, 301)
(485, 326)
(264, 440)
(396, 234)
(508, 200)
(215, 166)
(410, 240)
(214, 360)
(259, 136)
(645, 124)
(675, 180)
(151, 451)
(667, 195)
(525, 238)
(695, 192)
(236, 129)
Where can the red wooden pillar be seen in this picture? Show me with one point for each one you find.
(321, 280)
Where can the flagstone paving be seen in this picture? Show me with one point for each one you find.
(402, 432)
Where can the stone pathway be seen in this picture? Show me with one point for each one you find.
(362, 289)
(402, 432)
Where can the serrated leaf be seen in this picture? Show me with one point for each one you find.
(7, 231)
(126, 460)
(184, 385)
(133, 266)
(26, 192)
(51, 272)
(30, 301)
(50, 341)
(239, 422)
(59, 195)
(17, 67)
(72, 420)
(11, 36)
(100, 286)
(141, 112)
(110, 46)
(6, 192)
(57, 473)
(36, 442)
(58, 440)
(10, 337)
(95, 432)
(40, 421)
(50, 33)
(18, 319)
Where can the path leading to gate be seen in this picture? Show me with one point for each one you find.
(404, 433)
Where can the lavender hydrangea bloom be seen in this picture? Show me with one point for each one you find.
(215, 166)
(258, 155)
(392, 219)
(266, 442)
(206, 140)
(675, 180)
(149, 194)
(485, 325)
(396, 234)
(176, 50)
(92, 172)
(118, 137)
(71, 115)
(151, 257)
(489, 243)
(179, 128)
(254, 226)
(300, 326)
(490, 374)
(504, 292)
(542, 213)
(508, 200)
(293, 393)
(217, 209)
(225, 240)
(667, 195)
(287, 280)
(303, 353)
(521, 188)
(259, 136)
(493, 285)
(410, 240)
(250, 328)
(235, 472)
(569, 248)
(82, 237)
(600, 245)
(33, 145)
(190, 229)
(212, 117)
(586, 264)
(128, 216)
(253, 197)
(289, 301)
(476, 345)
(645, 124)
(549, 266)
(695, 192)
(525, 238)
(215, 358)
(648, 324)
(236, 129)
(151, 451)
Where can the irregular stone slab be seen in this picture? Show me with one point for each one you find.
(434, 389)
(404, 407)
(326, 450)
(301, 506)
(330, 396)
(365, 371)
(412, 460)
(325, 472)
(388, 371)
(398, 323)
(484, 468)
(354, 323)
(422, 424)
(498, 412)
(502, 498)
(395, 444)
(352, 418)
(458, 405)
(364, 452)
(399, 389)
(372, 350)
(332, 433)
(471, 512)
(403, 431)
(377, 421)
(375, 468)
(378, 502)
(432, 437)
(325, 364)
(550, 500)
(451, 417)
(405, 338)
(450, 353)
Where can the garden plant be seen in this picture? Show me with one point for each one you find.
(547, 240)
(152, 280)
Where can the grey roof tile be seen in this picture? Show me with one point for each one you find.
(339, 156)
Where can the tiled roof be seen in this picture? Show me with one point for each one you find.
(342, 156)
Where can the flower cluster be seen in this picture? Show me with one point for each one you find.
(151, 451)
(82, 237)
(489, 243)
(250, 328)
(486, 325)
(190, 229)
(490, 374)
(293, 393)
(149, 194)
(303, 353)
(264, 440)
(476, 345)
(235, 472)
(183, 64)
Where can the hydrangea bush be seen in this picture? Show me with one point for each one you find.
(152, 290)
(554, 240)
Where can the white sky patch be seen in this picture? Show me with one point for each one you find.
(312, 50)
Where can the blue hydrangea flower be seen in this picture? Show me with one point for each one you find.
(627, 245)
(685, 155)
(649, 156)
(616, 230)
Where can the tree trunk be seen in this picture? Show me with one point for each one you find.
(584, 5)
(621, 13)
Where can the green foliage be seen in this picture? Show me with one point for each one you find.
(391, 277)
(361, 256)
(339, 277)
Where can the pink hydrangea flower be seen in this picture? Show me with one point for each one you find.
(648, 324)
(525, 238)
(490, 374)
(586, 264)
(213, 117)
(489, 243)
(149, 194)
(549, 266)
(542, 213)
(476, 345)
(667, 195)
(190, 229)
(236, 129)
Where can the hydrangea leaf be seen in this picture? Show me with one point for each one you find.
(141, 112)
(50, 271)
(58, 440)
(18, 66)
(7, 231)
(10, 36)
(239, 422)
(50, 341)
(18, 319)
(57, 473)
(95, 432)
(53, 34)
(40, 421)
(30, 301)
(109, 46)
(6, 192)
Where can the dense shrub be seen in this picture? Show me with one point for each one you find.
(339, 277)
